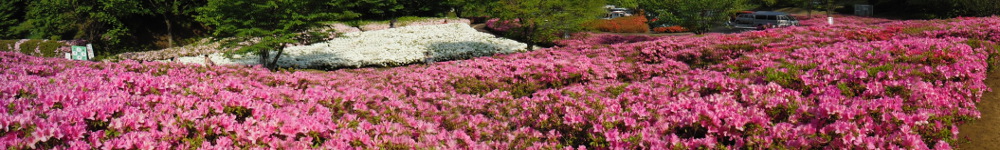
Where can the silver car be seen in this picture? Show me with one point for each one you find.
(767, 18)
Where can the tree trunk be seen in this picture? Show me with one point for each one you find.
(170, 31)
(392, 23)
(809, 10)
(263, 57)
(829, 8)
(274, 63)
(526, 32)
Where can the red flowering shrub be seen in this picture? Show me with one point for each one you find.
(670, 29)
(630, 24)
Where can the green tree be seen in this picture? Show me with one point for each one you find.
(273, 23)
(696, 15)
(101, 21)
(632, 4)
(170, 10)
(545, 20)
(393, 9)
(979, 7)
(379, 9)
(11, 14)
(465, 8)
(769, 4)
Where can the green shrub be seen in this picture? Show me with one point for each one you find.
(46, 47)
(7, 45)
(29, 46)
(50, 48)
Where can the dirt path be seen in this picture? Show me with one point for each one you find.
(481, 28)
(984, 133)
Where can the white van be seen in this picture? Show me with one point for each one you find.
(766, 18)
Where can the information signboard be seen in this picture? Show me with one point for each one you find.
(79, 53)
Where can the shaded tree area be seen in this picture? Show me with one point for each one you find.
(543, 21)
(117, 26)
(390, 9)
(930, 9)
(11, 14)
(113, 26)
(905, 9)
(696, 15)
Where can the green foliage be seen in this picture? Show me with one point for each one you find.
(47, 48)
(783, 78)
(882, 68)
(90, 20)
(240, 112)
(11, 14)
(466, 8)
(937, 9)
(7, 45)
(173, 12)
(851, 89)
(979, 7)
(695, 15)
(617, 90)
(545, 20)
(388, 9)
(625, 3)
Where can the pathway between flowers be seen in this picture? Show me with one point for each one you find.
(984, 133)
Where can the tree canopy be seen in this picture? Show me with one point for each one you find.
(545, 20)
(696, 15)
(11, 14)
(276, 22)
(90, 20)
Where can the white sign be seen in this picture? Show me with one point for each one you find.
(90, 51)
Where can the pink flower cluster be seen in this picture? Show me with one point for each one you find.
(796, 88)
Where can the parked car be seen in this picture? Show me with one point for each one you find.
(767, 19)
(616, 14)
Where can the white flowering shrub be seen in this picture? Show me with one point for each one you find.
(390, 47)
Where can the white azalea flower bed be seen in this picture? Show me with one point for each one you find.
(390, 47)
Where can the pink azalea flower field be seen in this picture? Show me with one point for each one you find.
(860, 84)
